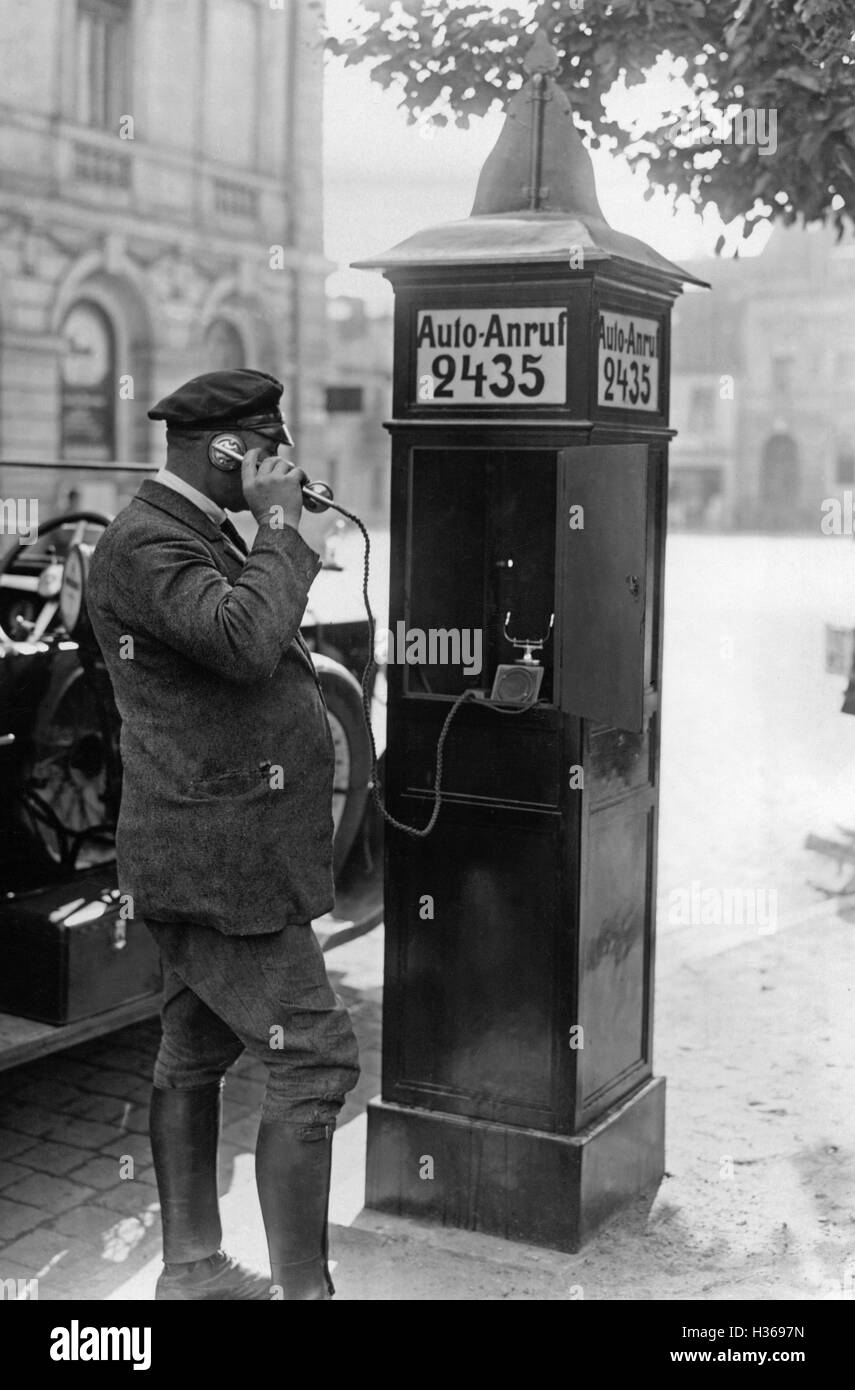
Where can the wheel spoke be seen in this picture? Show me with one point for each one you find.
(25, 582)
(44, 620)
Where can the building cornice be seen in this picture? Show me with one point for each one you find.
(72, 227)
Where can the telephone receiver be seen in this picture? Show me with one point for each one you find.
(227, 452)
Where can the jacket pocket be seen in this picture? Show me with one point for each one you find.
(234, 782)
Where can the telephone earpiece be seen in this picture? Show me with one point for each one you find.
(226, 452)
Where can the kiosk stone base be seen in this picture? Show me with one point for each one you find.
(522, 1184)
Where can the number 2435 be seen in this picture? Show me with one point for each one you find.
(634, 385)
(529, 382)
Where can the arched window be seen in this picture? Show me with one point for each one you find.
(846, 464)
(780, 484)
(223, 347)
(779, 475)
(89, 384)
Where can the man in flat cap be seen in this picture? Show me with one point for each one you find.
(224, 839)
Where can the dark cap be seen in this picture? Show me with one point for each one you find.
(220, 398)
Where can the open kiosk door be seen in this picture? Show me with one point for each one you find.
(602, 584)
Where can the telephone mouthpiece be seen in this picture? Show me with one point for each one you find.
(314, 495)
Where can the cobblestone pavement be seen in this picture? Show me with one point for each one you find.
(78, 1201)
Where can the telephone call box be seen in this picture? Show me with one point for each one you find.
(529, 439)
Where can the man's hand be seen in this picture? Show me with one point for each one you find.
(272, 488)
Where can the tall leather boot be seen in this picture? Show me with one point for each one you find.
(293, 1177)
(184, 1127)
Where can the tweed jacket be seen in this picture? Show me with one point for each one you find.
(227, 756)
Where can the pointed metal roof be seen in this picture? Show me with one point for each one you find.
(536, 199)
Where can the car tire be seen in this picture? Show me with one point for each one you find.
(343, 698)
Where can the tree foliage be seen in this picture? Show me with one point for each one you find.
(453, 59)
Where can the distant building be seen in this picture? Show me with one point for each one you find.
(358, 400)
(160, 216)
(763, 386)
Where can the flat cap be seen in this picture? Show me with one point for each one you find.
(220, 398)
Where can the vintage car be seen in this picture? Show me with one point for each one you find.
(70, 957)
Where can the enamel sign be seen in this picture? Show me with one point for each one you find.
(491, 356)
(630, 351)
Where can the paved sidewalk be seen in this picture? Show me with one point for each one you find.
(754, 1035)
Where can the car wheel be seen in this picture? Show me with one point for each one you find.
(343, 698)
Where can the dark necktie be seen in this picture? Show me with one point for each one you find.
(232, 534)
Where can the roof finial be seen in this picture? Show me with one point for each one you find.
(536, 201)
(539, 163)
(541, 57)
(540, 63)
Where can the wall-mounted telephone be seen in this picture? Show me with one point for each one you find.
(518, 682)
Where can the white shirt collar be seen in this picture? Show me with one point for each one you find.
(205, 504)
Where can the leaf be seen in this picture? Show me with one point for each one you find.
(431, 89)
(844, 163)
(808, 144)
(810, 81)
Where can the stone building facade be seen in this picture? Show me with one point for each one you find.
(160, 215)
(763, 386)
